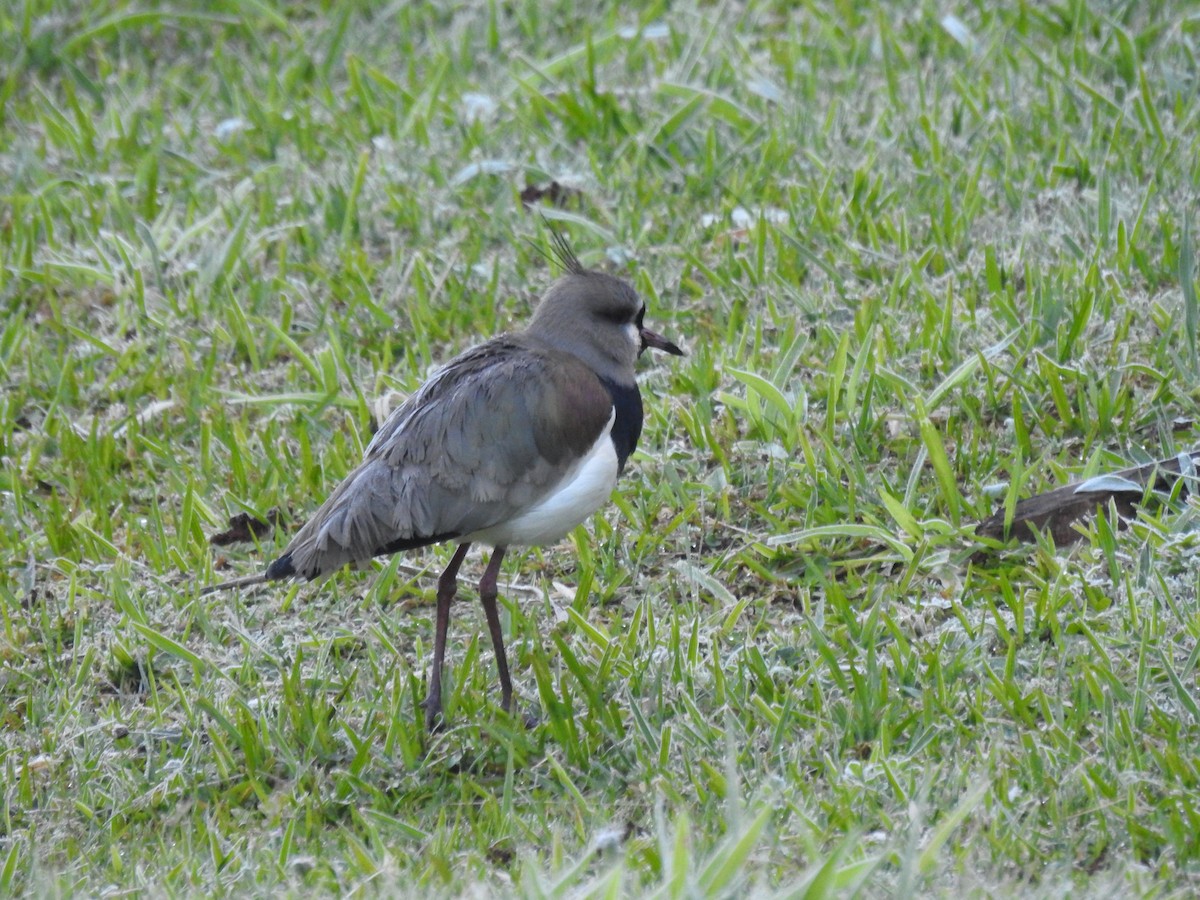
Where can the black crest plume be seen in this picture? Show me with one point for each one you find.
(564, 254)
(560, 250)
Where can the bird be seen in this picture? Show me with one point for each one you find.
(512, 443)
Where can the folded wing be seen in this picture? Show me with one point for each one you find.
(487, 437)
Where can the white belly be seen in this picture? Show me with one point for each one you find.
(583, 491)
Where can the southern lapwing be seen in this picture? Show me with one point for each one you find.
(513, 443)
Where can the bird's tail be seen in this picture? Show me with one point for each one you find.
(248, 581)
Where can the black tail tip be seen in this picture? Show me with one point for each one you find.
(281, 568)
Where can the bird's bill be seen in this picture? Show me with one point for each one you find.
(658, 342)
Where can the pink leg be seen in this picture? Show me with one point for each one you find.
(447, 587)
(487, 596)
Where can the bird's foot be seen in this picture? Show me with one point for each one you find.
(530, 720)
(434, 721)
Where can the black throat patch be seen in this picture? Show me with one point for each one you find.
(627, 400)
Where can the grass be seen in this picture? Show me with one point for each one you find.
(923, 265)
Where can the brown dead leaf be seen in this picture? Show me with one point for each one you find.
(554, 193)
(1056, 511)
(243, 527)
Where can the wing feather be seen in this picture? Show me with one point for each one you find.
(488, 436)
